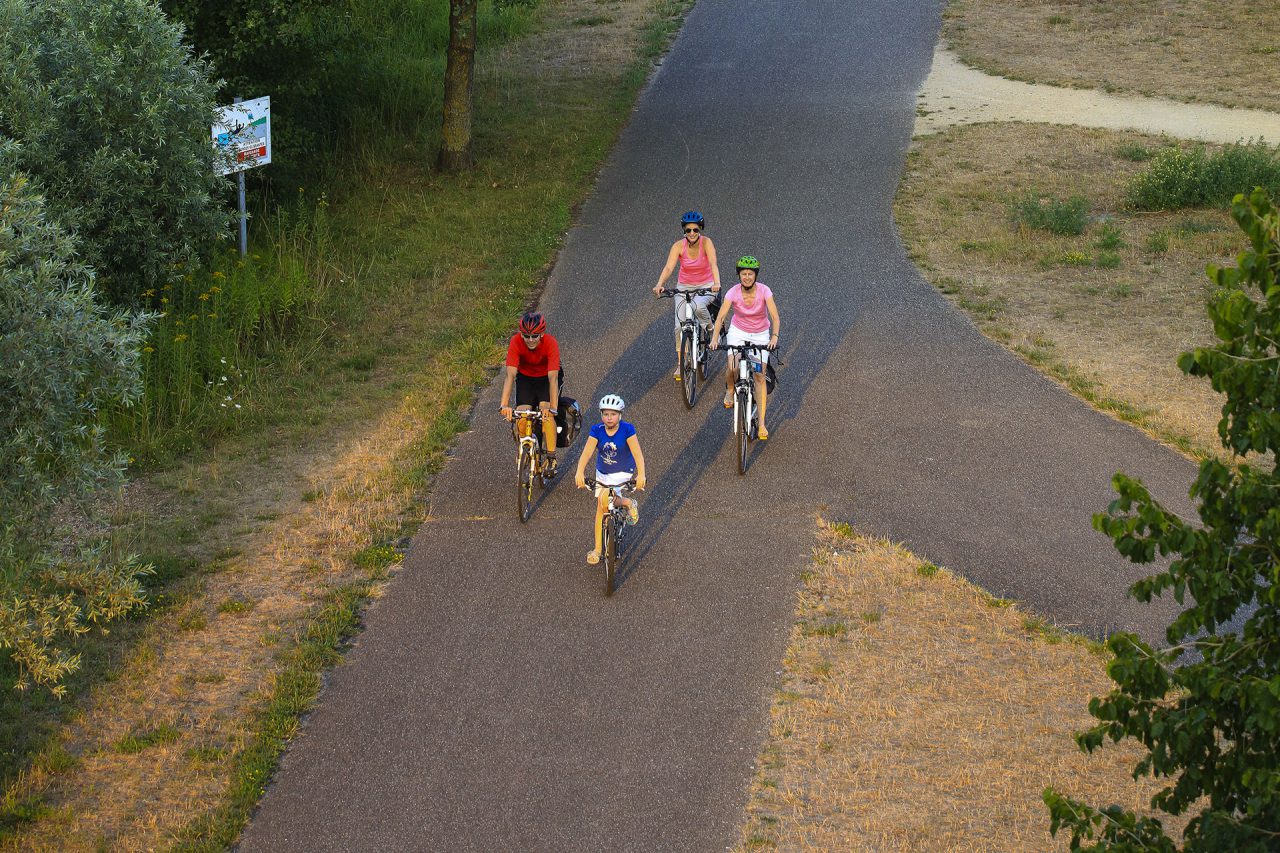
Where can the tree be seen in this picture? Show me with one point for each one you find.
(64, 358)
(1207, 707)
(459, 74)
(113, 114)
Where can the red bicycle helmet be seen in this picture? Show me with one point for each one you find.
(533, 323)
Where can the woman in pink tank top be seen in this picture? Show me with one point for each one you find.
(696, 256)
(755, 321)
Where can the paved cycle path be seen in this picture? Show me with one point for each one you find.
(496, 699)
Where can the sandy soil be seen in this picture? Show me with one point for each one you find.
(956, 94)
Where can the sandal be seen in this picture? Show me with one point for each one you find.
(728, 399)
(676, 375)
(593, 557)
(763, 434)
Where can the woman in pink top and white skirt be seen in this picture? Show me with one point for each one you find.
(755, 321)
(696, 256)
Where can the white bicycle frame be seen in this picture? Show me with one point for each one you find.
(745, 369)
(689, 316)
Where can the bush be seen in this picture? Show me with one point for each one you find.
(1053, 215)
(1207, 706)
(64, 358)
(113, 115)
(1178, 178)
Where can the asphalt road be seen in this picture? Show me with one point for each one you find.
(496, 699)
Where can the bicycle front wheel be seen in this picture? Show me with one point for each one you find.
(744, 429)
(609, 551)
(688, 368)
(524, 483)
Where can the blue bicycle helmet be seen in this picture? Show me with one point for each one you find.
(693, 217)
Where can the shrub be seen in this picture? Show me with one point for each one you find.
(64, 358)
(1053, 215)
(1178, 178)
(1207, 706)
(113, 114)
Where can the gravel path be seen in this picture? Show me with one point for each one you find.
(956, 94)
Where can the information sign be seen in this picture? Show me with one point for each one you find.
(242, 135)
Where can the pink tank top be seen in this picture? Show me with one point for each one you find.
(751, 319)
(694, 270)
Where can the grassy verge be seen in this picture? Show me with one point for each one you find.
(1219, 51)
(271, 539)
(990, 215)
(918, 712)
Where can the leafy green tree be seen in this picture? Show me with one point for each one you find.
(113, 115)
(63, 358)
(1207, 707)
(305, 54)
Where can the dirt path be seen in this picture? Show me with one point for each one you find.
(956, 94)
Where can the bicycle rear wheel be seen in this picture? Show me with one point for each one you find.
(524, 484)
(688, 368)
(609, 551)
(744, 429)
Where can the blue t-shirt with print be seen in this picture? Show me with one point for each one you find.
(612, 453)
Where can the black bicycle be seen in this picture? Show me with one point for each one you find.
(613, 526)
(695, 342)
(745, 411)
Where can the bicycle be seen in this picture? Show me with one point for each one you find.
(745, 411)
(531, 460)
(695, 340)
(612, 531)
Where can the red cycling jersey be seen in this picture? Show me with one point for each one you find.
(535, 362)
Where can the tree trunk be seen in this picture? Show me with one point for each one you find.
(455, 148)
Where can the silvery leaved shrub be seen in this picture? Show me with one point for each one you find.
(113, 114)
(63, 358)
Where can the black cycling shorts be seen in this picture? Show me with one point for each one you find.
(532, 390)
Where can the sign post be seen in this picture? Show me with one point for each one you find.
(242, 137)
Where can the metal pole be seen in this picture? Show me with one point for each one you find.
(244, 230)
(244, 217)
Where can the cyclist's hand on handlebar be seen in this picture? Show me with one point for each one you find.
(715, 288)
(773, 342)
(580, 479)
(640, 482)
(657, 290)
(505, 411)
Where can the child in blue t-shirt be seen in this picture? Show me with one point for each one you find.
(618, 461)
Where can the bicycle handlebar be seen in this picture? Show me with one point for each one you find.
(687, 293)
(744, 348)
(629, 486)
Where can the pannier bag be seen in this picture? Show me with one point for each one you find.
(770, 377)
(717, 302)
(568, 422)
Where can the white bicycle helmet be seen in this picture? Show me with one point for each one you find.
(612, 401)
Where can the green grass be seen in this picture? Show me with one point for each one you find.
(926, 570)
(1057, 216)
(140, 739)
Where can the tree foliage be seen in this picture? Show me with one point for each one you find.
(1207, 707)
(64, 357)
(113, 114)
(303, 53)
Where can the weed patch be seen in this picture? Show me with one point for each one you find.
(1179, 178)
(1056, 216)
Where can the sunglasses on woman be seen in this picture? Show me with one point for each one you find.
(692, 230)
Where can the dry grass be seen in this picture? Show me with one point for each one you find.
(1113, 333)
(917, 713)
(1219, 51)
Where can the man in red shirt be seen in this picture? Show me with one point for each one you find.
(533, 367)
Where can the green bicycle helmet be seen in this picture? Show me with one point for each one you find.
(748, 262)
